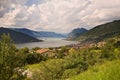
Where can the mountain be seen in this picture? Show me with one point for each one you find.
(27, 31)
(76, 33)
(38, 33)
(50, 34)
(102, 32)
(18, 37)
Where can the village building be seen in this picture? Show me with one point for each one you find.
(46, 52)
(43, 50)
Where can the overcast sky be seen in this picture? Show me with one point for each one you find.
(57, 15)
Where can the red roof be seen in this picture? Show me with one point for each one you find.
(41, 51)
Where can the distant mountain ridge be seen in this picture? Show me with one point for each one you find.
(76, 33)
(26, 31)
(18, 37)
(101, 32)
(38, 33)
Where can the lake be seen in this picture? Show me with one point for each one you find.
(47, 43)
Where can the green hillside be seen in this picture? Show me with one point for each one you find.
(107, 71)
(102, 32)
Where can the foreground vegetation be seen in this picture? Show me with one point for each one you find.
(78, 61)
(11, 63)
(107, 71)
(61, 63)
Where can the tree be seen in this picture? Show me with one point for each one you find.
(32, 58)
(9, 60)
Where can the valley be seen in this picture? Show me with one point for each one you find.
(79, 54)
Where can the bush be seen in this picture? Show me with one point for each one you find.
(50, 69)
(32, 58)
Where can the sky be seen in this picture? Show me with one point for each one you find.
(57, 15)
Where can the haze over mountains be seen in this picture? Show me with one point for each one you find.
(23, 35)
(96, 34)
(39, 33)
(76, 33)
(18, 37)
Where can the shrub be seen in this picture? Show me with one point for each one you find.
(32, 58)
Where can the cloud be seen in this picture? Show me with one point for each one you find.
(102, 12)
(57, 15)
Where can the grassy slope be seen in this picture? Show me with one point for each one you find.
(108, 71)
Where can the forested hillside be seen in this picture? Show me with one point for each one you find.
(75, 33)
(101, 32)
(38, 33)
(18, 37)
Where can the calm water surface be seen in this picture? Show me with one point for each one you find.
(48, 42)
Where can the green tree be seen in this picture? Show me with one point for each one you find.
(10, 61)
(24, 50)
(35, 49)
(32, 58)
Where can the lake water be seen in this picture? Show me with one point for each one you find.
(48, 42)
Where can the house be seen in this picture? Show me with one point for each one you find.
(46, 52)
(43, 50)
